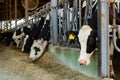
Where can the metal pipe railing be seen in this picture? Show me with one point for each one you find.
(114, 40)
(103, 39)
(114, 30)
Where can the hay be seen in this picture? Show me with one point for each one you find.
(15, 65)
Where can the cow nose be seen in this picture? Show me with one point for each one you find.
(32, 59)
(82, 62)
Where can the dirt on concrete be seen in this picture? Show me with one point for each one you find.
(15, 65)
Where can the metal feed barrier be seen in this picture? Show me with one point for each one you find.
(103, 35)
(60, 53)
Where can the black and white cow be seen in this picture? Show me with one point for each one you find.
(40, 44)
(7, 37)
(20, 33)
(115, 62)
(28, 40)
(87, 38)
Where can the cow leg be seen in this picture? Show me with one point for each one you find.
(116, 61)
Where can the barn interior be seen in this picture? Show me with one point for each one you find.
(61, 62)
(16, 64)
(8, 8)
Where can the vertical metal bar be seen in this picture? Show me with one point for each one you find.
(119, 7)
(65, 28)
(80, 14)
(10, 9)
(68, 14)
(4, 17)
(114, 16)
(51, 29)
(65, 16)
(0, 25)
(26, 11)
(76, 15)
(54, 21)
(102, 19)
(86, 12)
(6, 24)
(73, 16)
(10, 12)
(6, 10)
(60, 25)
(16, 13)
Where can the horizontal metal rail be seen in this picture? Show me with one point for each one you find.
(39, 12)
(114, 41)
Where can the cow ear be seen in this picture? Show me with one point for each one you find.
(40, 41)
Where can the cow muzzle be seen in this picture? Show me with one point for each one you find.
(83, 62)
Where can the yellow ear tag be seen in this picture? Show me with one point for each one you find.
(116, 37)
(71, 36)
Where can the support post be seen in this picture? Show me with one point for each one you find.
(103, 37)
(80, 20)
(7, 11)
(65, 27)
(77, 2)
(15, 13)
(54, 22)
(68, 14)
(10, 13)
(26, 11)
(76, 15)
(0, 24)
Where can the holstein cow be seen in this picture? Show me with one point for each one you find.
(28, 40)
(40, 44)
(88, 38)
(20, 33)
(7, 37)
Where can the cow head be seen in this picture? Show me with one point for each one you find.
(37, 49)
(20, 33)
(18, 36)
(87, 39)
(39, 45)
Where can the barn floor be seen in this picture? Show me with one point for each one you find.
(15, 65)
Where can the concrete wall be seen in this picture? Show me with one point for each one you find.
(69, 57)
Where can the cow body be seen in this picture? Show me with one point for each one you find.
(88, 38)
(115, 62)
(7, 37)
(33, 34)
(20, 33)
(40, 44)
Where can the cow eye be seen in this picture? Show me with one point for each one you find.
(19, 38)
